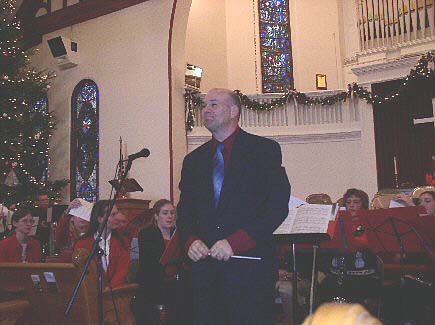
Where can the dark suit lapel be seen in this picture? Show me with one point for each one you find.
(234, 170)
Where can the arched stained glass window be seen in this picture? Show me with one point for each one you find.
(85, 141)
(275, 46)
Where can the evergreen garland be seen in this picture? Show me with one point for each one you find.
(423, 70)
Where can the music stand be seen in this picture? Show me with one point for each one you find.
(400, 230)
(403, 234)
(129, 185)
(314, 240)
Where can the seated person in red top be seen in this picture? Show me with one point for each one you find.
(426, 199)
(19, 247)
(120, 223)
(154, 278)
(116, 259)
(360, 282)
(355, 200)
(69, 229)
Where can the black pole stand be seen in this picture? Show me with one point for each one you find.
(313, 286)
(314, 240)
(96, 249)
(295, 285)
(100, 254)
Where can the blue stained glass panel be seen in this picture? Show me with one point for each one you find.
(85, 141)
(275, 46)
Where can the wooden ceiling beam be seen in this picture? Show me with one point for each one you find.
(35, 27)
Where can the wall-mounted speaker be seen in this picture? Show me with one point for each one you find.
(64, 51)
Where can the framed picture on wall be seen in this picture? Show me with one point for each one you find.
(321, 82)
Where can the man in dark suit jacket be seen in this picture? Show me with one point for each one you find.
(253, 202)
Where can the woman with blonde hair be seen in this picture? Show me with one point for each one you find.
(155, 279)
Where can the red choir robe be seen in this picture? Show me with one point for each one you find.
(119, 260)
(11, 250)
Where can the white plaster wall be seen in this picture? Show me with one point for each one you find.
(178, 71)
(315, 29)
(351, 35)
(315, 36)
(206, 42)
(244, 68)
(322, 167)
(125, 53)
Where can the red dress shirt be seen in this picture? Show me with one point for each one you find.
(119, 260)
(11, 250)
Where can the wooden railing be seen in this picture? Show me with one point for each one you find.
(389, 23)
(294, 115)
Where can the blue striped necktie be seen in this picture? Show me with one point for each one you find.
(218, 172)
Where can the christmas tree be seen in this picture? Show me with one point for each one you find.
(25, 123)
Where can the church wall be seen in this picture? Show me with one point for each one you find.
(318, 167)
(206, 42)
(316, 48)
(178, 60)
(315, 36)
(125, 53)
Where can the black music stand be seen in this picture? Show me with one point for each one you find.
(129, 185)
(314, 240)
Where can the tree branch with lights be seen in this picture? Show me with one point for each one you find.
(25, 126)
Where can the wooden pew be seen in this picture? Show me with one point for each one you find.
(11, 311)
(49, 300)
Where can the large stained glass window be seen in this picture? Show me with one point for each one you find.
(85, 141)
(275, 46)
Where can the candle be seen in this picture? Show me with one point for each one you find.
(395, 165)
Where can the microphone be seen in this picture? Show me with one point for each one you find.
(143, 153)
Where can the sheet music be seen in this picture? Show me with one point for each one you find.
(287, 224)
(295, 202)
(83, 211)
(4, 213)
(397, 204)
(307, 219)
(312, 219)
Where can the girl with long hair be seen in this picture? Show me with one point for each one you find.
(116, 258)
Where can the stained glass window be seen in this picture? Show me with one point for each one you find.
(275, 46)
(85, 141)
(40, 162)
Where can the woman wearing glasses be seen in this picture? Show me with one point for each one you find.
(19, 246)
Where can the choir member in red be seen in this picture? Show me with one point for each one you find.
(354, 200)
(120, 223)
(19, 246)
(116, 258)
(425, 198)
(69, 229)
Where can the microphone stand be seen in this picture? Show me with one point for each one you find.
(96, 250)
